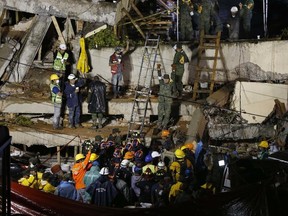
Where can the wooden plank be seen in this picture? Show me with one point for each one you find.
(60, 35)
(95, 31)
(134, 23)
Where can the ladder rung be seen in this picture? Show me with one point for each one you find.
(143, 92)
(208, 58)
(141, 100)
(210, 36)
(208, 47)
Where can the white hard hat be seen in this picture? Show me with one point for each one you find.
(63, 46)
(155, 154)
(104, 171)
(71, 76)
(234, 9)
(124, 163)
(161, 165)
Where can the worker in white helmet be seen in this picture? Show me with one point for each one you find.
(233, 24)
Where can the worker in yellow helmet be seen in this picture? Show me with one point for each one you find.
(56, 96)
(263, 150)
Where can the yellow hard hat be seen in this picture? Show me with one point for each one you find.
(94, 157)
(165, 133)
(179, 153)
(183, 147)
(54, 77)
(79, 157)
(264, 144)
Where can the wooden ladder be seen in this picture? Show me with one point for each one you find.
(206, 67)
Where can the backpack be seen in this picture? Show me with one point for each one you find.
(181, 168)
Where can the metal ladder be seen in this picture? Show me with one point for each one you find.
(142, 103)
(204, 73)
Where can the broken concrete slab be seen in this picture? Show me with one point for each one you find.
(95, 11)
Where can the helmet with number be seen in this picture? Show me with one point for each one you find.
(135, 143)
(264, 144)
(54, 77)
(104, 171)
(128, 155)
(165, 133)
(94, 157)
(179, 153)
(138, 154)
(128, 146)
(148, 158)
(79, 157)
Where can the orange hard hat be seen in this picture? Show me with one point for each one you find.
(128, 155)
(165, 133)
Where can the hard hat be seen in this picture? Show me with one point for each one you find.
(94, 157)
(234, 9)
(148, 158)
(79, 157)
(183, 147)
(117, 153)
(179, 153)
(54, 77)
(104, 171)
(161, 165)
(155, 154)
(124, 163)
(128, 155)
(63, 46)
(264, 144)
(190, 146)
(165, 133)
(166, 76)
(71, 76)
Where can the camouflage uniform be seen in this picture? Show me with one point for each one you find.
(180, 58)
(245, 17)
(209, 17)
(186, 27)
(165, 101)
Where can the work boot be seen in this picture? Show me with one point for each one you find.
(71, 126)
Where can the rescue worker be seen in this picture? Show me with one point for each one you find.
(165, 99)
(73, 98)
(166, 140)
(59, 63)
(179, 60)
(45, 184)
(181, 167)
(246, 17)
(117, 68)
(233, 24)
(97, 104)
(209, 15)
(116, 137)
(78, 172)
(263, 150)
(56, 96)
(92, 172)
(66, 188)
(186, 27)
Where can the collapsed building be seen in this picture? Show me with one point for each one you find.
(226, 117)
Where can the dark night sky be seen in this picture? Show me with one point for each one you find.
(277, 15)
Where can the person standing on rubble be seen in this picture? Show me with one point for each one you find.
(165, 99)
(73, 100)
(179, 60)
(117, 67)
(56, 96)
(59, 63)
(97, 102)
(246, 10)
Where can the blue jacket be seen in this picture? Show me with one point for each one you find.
(66, 189)
(73, 99)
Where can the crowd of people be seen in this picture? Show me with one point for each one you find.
(195, 15)
(115, 173)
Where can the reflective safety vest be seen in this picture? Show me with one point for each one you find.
(55, 97)
(59, 61)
